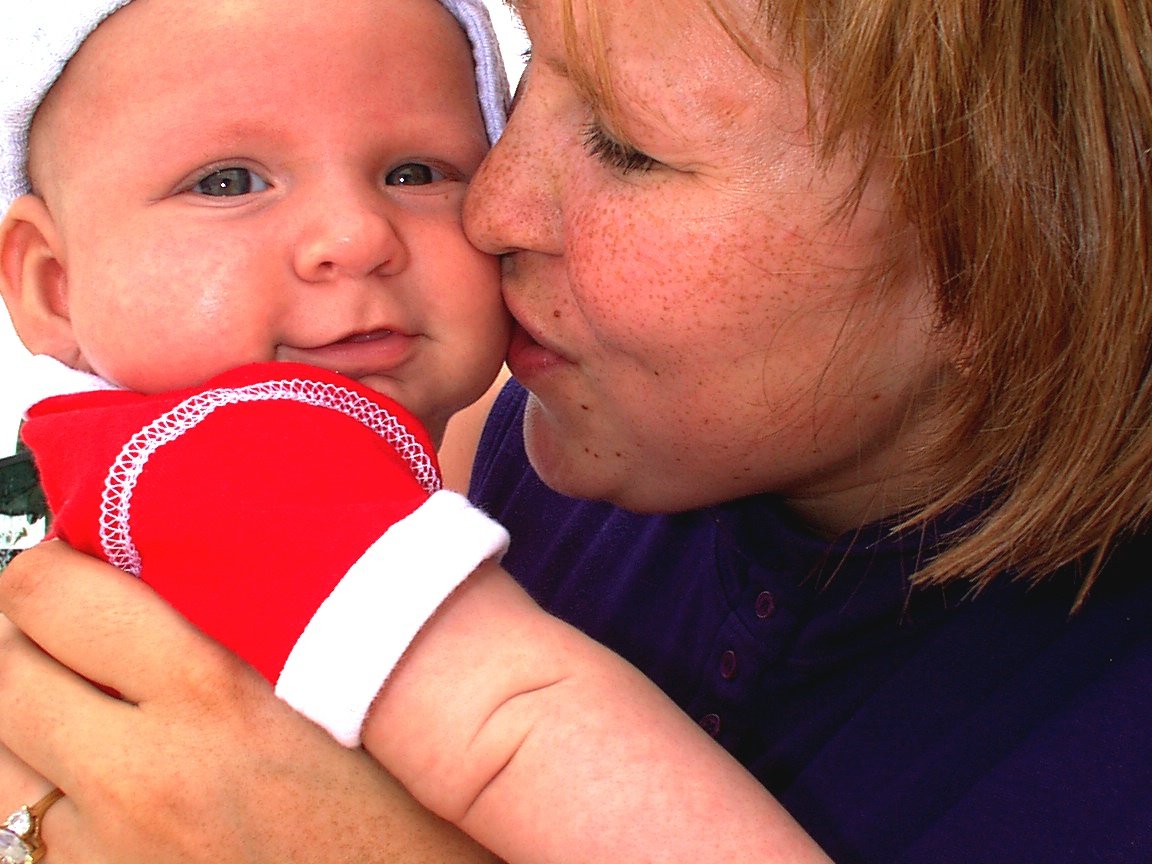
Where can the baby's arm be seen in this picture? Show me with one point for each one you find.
(545, 746)
(326, 550)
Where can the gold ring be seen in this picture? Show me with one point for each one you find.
(20, 836)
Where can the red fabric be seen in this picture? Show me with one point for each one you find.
(234, 518)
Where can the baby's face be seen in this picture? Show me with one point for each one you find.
(249, 180)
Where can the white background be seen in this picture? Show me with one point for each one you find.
(11, 351)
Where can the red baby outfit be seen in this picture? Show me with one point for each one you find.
(290, 513)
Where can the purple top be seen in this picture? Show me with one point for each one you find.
(895, 725)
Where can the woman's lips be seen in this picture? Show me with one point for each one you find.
(526, 356)
(373, 352)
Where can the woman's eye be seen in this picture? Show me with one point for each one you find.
(230, 182)
(413, 174)
(612, 153)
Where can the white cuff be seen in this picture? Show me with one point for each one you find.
(360, 632)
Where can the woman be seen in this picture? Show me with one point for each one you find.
(859, 295)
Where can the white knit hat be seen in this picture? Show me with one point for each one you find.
(38, 37)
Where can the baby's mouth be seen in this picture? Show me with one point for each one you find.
(369, 352)
(368, 336)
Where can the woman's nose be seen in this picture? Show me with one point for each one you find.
(513, 201)
(350, 238)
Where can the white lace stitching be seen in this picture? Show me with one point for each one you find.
(116, 502)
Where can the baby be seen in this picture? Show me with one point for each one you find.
(233, 241)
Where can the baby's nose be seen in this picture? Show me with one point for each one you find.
(355, 240)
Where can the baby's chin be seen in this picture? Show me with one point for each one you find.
(432, 410)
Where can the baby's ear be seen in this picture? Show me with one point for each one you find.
(34, 280)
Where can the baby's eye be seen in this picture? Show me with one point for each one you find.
(413, 174)
(230, 182)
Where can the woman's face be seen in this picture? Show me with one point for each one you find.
(696, 322)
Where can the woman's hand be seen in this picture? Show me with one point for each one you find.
(20, 785)
(198, 762)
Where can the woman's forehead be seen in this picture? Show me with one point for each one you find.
(679, 59)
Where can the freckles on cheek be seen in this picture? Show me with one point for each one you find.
(626, 280)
